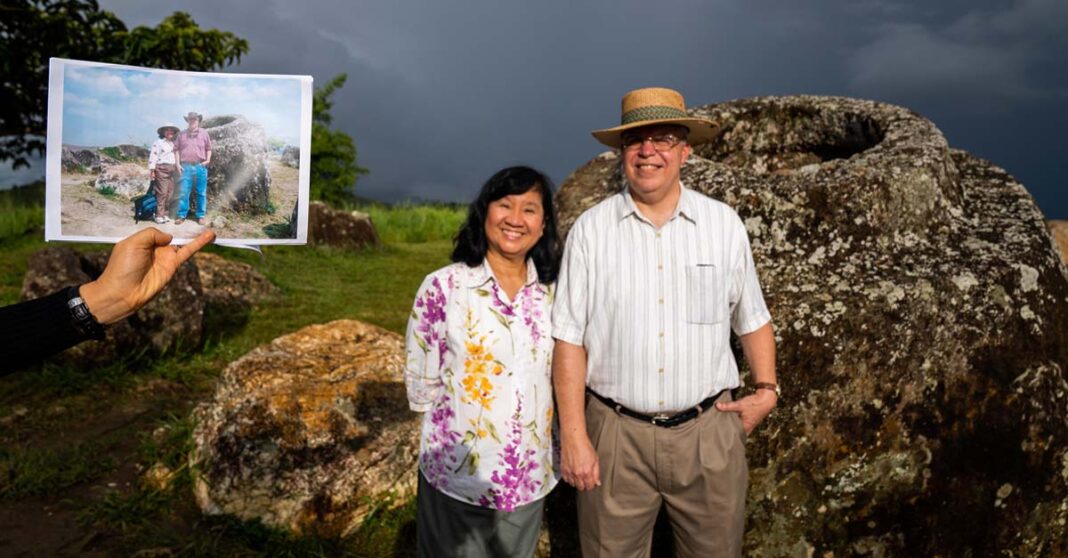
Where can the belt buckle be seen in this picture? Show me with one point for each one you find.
(659, 417)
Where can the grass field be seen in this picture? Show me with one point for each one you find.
(74, 446)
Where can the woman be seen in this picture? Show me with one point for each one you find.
(478, 362)
(162, 167)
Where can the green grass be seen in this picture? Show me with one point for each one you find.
(27, 471)
(21, 212)
(415, 223)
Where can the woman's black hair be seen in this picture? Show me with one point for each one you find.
(470, 244)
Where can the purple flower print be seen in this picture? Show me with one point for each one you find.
(433, 312)
(499, 303)
(439, 456)
(530, 309)
(515, 483)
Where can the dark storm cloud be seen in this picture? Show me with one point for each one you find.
(441, 94)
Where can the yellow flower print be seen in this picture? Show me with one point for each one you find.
(479, 363)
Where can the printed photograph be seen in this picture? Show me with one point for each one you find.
(131, 147)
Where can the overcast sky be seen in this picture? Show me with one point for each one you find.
(442, 94)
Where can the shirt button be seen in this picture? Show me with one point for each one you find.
(660, 267)
(661, 403)
(658, 235)
(661, 301)
(661, 371)
(661, 334)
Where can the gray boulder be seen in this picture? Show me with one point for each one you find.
(309, 433)
(291, 156)
(79, 159)
(231, 291)
(127, 180)
(239, 177)
(921, 314)
(335, 227)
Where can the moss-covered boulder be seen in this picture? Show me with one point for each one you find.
(310, 432)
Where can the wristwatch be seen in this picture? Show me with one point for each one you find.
(768, 385)
(81, 317)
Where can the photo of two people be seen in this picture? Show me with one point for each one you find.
(181, 151)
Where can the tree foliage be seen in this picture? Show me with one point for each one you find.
(32, 31)
(333, 154)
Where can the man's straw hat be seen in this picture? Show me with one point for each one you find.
(656, 105)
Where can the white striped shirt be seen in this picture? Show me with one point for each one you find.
(652, 306)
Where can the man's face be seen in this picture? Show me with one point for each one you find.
(652, 173)
(193, 123)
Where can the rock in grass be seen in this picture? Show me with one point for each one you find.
(922, 321)
(339, 228)
(310, 432)
(231, 291)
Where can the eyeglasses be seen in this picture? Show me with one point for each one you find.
(661, 142)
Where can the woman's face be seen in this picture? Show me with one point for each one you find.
(169, 133)
(514, 224)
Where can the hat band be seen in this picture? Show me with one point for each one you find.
(642, 114)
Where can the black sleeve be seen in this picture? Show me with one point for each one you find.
(32, 330)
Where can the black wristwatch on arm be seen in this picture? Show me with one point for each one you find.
(81, 317)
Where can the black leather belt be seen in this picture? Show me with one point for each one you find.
(659, 419)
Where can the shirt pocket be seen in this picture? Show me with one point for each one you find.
(706, 289)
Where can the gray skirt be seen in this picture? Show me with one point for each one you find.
(447, 527)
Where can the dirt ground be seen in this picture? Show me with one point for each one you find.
(87, 212)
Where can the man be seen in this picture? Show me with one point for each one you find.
(194, 151)
(653, 280)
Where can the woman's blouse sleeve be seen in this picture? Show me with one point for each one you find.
(425, 345)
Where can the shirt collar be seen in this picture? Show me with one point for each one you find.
(625, 204)
(481, 275)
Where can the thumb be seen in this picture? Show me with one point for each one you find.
(728, 406)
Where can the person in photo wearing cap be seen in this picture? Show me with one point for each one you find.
(653, 281)
(163, 165)
(194, 152)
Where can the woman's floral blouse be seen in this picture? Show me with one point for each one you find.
(478, 366)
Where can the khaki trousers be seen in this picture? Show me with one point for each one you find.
(163, 187)
(697, 470)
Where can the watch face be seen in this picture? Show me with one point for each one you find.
(80, 311)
